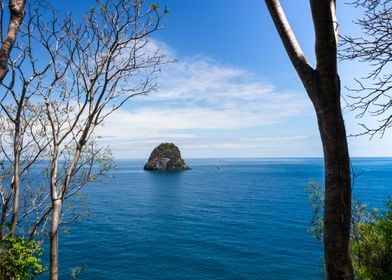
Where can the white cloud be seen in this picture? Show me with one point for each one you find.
(197, 99)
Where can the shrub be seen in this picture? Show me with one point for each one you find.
(372, 246)
(20, 259)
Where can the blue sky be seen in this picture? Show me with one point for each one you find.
(232, 91)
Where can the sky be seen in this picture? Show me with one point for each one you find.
(232, 91)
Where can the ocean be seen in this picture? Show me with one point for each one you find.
(224, 219)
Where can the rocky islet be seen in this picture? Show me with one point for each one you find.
(166, 157)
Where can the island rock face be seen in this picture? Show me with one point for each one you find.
(166, 157)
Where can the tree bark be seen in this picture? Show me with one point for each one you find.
(56, 205)
(323, 87)
(57, 200)
(16, 177)
(17, 11)
(16, 190)
(337, 180)
(54, 239)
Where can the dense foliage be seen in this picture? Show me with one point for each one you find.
(371, 231)
(20, 259)
(372, 246)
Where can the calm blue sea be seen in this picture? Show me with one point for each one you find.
(224, 219)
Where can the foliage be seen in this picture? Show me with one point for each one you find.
(316, 197)
(372, 246)
(165, 149)
(20, 259)
(371, 231)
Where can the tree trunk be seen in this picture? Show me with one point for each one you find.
(15, 207)
(4, 211)
(337, 206)
(16, 177)
(54, 237)
(17, 12)
(57, 200)
(323, 87)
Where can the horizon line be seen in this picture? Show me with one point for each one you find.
(277, 157)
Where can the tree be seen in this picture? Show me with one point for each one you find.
(94, 68)
(20, 146)
(374, 47)
(18, 142)
(322, 85)
(67, 78)
(17, 13)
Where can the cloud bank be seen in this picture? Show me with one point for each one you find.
(208, 108)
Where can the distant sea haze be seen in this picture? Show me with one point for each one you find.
(224, 219)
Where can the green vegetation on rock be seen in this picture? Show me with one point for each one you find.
(166, 156)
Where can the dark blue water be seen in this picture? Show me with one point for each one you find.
(224, 219)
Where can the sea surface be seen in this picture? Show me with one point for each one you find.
(224, 219)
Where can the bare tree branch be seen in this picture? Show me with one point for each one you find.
(289, 41)
(372, 97)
